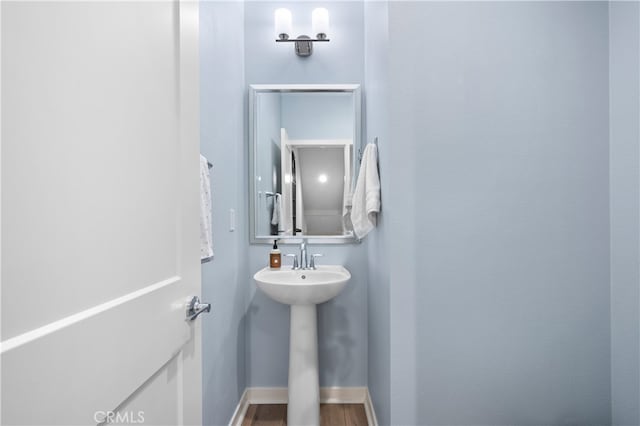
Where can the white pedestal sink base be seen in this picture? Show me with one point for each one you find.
(302, 290)
(304, 387)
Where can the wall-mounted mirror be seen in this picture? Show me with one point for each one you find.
(304, 143)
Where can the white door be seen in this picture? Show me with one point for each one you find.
(287, 183)
(99, 213)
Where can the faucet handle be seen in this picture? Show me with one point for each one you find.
(312, 265)
(295, 260)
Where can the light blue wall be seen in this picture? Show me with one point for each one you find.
(499, 124)
(342, 322)
(341, 60)
(224, 284)
(327, 116)
(624, 56)
(378, 251)
(491, 304)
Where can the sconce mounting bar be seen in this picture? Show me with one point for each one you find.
(304, 44)
(295, 40)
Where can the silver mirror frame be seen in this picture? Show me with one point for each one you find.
(254, 90)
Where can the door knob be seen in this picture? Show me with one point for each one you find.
(195, 308)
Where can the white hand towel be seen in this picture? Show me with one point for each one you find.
(277, 211)
(347, 204)
(206, 237)
(366, 196)
(347, 196)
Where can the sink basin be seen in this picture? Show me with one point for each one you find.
(303, 290)
(302, 287)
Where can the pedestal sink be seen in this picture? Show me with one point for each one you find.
(303, 290)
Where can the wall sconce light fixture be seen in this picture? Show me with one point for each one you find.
(303, 43)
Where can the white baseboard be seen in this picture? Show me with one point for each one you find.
(336, 395)
(241, 410)
(331, 395)
(267, 395)
(368, 409)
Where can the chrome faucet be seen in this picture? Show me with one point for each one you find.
(306, 261)
(304, 264)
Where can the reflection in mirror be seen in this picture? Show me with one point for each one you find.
(303, 161)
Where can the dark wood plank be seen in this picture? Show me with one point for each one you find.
(332, 415)
(270, 415)
(249, 415)
(355, 415)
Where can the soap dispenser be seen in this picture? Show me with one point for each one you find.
(274, 256)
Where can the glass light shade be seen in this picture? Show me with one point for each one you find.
(320, 21)
(283, 22)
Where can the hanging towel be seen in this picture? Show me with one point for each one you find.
(347, 196)
(277, 212)
(347, 205)
(366, 197)
(206, 237)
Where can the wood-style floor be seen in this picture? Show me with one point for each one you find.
(330, 415)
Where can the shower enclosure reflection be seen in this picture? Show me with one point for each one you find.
(303, 143)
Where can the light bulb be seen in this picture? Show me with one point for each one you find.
(320, 22)
(283, 23)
